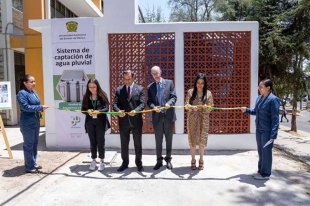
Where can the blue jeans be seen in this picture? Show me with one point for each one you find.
(31, 136)
(264, 154)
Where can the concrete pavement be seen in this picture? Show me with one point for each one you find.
(226, 179)
(296, 145)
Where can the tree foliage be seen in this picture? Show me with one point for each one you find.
(284, 37)
(153, 15)
(192, 10)
(233, 10)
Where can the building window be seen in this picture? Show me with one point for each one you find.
(58, 10)
(17, 4)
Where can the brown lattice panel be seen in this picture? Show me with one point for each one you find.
(139, 52)
(225, 57)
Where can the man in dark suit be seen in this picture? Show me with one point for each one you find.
(130, 98)
(161, 93)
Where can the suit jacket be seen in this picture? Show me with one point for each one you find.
(30, 107)
(101, 107)
(168, 97)
(135, 102)
(267, 114)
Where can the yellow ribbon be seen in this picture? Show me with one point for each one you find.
(150, 110)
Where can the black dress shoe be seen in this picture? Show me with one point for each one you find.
(37, 167)
(169, 166)
(140, 168)
(122, 168)
(158, 165)
(33, 171)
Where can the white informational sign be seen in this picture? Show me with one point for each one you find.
(72, 30)
(5, 96)
(68, 56)
(73, 65)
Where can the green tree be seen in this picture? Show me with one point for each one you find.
(192, 10)
(297, 30)
(307, 73)
(152, 15)
(284, 34)
(233, 10)
(282, 91)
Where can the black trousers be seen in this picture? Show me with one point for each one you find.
(96, 134)
(163, 127)
(137, 140)
(283, 115)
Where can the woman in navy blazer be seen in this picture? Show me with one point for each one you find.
(30, 108)
(267, 124)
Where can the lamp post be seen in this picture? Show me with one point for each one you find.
(6, 50)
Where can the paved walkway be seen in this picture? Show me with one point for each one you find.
(297, 145)
(226, 179)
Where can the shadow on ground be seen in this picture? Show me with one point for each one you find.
(182, 173)
(14, 172)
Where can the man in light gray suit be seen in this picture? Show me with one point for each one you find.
(161, 93)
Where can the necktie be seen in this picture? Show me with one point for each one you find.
(128, 92)
(159, 95)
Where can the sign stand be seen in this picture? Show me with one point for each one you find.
(5, 104)
(5, 138)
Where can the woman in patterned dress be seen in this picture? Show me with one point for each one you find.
(197, 100)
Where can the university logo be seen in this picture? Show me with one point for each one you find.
(75, 120)
(72, 26)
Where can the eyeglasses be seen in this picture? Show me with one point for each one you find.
(155, 74)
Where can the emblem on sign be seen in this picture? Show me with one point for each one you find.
(75, 120)
(72, 26)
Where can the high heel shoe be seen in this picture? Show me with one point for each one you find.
(201, 167)
(193, 167)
